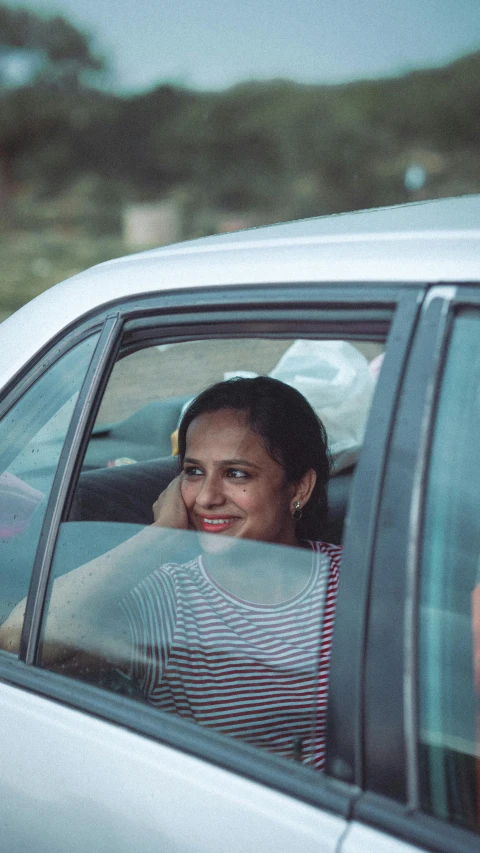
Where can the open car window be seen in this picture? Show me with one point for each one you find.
(149, 389)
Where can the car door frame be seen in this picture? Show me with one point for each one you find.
(391, 802)
(268, 310)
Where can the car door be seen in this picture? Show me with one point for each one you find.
(420, 743)
(102, 759)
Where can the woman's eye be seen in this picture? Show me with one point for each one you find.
(235, 474)
(192, 471)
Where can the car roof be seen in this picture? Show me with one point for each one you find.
(431, 241)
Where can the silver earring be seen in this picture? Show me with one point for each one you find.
(297, 510)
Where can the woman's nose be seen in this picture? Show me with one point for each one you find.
(211, 493)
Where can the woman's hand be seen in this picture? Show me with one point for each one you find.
(169, 509)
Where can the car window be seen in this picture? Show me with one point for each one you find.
(449, 615)
(232, 632)
(32, 434)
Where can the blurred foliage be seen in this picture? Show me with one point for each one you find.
(72, 156)
(64, 52)
(35, 260)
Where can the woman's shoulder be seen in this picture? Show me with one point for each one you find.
(333, 552)
(325, 547)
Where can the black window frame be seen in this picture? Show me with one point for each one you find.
(392, 799)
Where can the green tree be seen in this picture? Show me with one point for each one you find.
(65, 51)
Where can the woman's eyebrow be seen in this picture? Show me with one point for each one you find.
(224, 462)
(245, 462)
(240, 462)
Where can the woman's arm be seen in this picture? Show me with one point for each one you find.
(84, 614)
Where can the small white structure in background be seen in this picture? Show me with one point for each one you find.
(151, 224)
(415, 177)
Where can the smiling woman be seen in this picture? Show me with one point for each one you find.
(237, 650)
(269, 470)
(238, 638)
(231, 485)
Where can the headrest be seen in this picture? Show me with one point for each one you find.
(125, 493)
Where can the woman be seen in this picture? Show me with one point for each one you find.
(239, 638)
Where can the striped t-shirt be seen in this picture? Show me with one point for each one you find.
(253, 671)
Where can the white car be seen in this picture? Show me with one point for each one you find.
(375, 316)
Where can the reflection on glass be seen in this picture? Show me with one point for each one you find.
(449, 616)
(31, 440)
(229, 640)
(221, 611)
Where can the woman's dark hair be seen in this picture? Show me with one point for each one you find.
(290, 430)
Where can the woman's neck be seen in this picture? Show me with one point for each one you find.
(259, 572)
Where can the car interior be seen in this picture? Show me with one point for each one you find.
(130, 461)
(130, 458)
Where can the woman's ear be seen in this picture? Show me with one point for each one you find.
(304, 488)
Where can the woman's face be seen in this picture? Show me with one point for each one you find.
(231, 486)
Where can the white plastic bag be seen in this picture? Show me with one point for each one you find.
(335, 378)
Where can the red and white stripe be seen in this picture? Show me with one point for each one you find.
(253, 671)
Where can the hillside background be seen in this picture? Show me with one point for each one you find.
(77, 163)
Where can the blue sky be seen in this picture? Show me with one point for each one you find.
(216, 43)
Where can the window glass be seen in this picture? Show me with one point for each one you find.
(449, 636)
(195, 583)
(31, 439)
